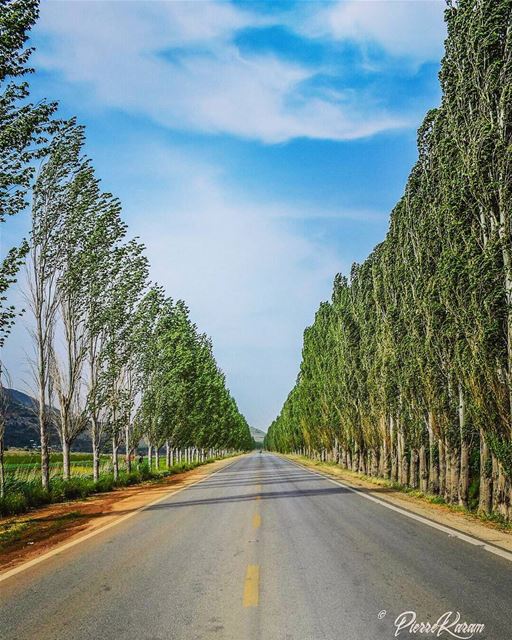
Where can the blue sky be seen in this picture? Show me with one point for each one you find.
(257, 147)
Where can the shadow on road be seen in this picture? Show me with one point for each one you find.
(262, 495)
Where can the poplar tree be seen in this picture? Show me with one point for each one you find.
(23, 134)
(406, 372)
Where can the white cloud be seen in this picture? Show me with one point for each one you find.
(177, 63)
(251, 278)
(251, 281)
(412, 29)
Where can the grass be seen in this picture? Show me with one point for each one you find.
(15, 460)
(17, 533)
(496, 519)
(24, 491)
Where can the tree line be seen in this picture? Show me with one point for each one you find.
(406, 371)
(112, 353)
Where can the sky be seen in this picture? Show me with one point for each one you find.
(257, 148)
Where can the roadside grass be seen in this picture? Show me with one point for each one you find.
(495, 520)
(19, 533)
(24, 491)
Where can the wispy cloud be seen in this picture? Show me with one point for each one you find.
(251, 280)
(177, 63)
(409, 29)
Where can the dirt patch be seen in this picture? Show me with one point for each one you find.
(34, 533)
(487, 531)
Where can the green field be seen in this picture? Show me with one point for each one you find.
(14, 460)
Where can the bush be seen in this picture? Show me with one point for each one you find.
(144, 472)
(13, 504)
(78, 488)
(133, 478)
(105, 483)
(61, 490)
(35, 494)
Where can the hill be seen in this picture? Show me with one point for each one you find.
(257, 434)
(22, 429)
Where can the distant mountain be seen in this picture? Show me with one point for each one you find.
(18, 397)
(257, 434)
(22, 428)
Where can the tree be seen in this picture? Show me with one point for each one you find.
(408, 367)
(117, 357)
(23, 134)
(50, 206)
(185, 402)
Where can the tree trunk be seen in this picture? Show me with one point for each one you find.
(448, 490)
(375, 462)
(393, 450)
(385, 461)
(423, 469)
(414, 469)
(95, 450)
(442, 468)
(127, 450)
(157, 457)
(485, 496)
(66, 471)
(405, 465)
(433, 469)
(361, 468)
(355, 459)
(95, 461)
(501, 490)
(45, 454)
(452, 472)
(115, 458)
(43, 425)
(150, 456)
(167, 454)
(464, 475)
(464, 455)
(403, 477)
(2, 469)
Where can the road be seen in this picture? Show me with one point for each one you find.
(263, 549)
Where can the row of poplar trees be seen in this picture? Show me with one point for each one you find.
(112, 354)
(406, 372)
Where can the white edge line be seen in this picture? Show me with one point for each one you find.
(59, 549)
(507, 555)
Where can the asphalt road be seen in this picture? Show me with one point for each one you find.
(261, 550)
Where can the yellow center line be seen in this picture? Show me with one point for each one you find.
(252, 586)
(256, 520)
